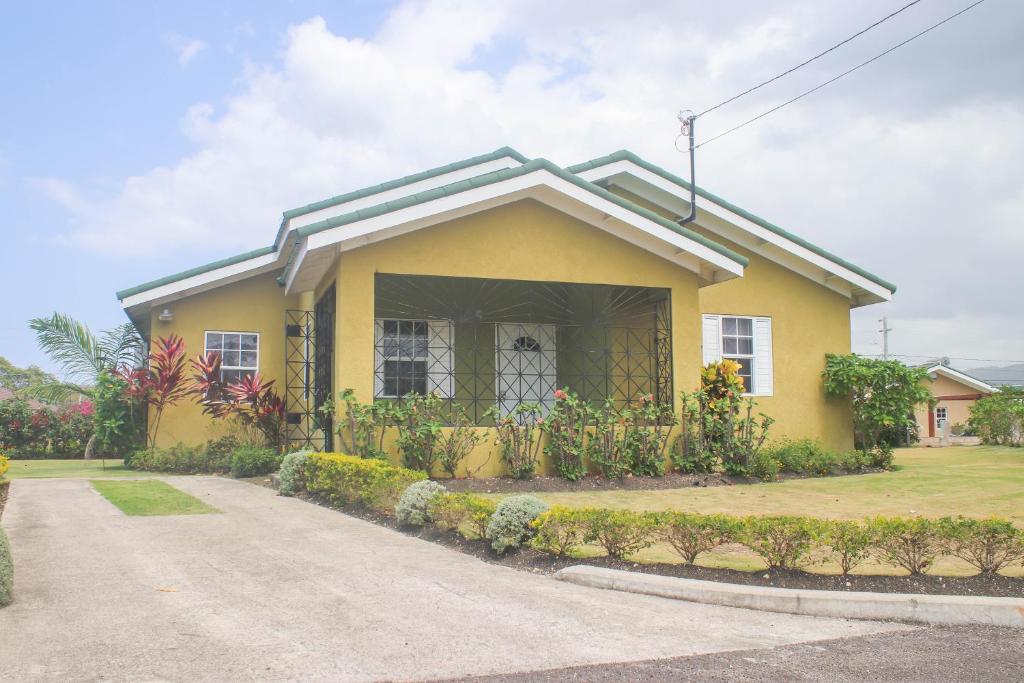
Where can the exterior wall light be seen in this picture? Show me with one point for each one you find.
(165, 316)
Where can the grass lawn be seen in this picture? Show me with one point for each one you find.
(75, 469)
(150, 497)
(932, 482)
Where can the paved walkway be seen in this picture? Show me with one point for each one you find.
(276, 588)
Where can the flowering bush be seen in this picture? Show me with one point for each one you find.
(27, 431)
(252, 400)
(5, 464)
(519, 437)
(566, 425)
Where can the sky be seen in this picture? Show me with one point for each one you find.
(141, 139)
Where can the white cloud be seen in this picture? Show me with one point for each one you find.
(927, 196)
(187, 49)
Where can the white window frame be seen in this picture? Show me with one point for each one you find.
(243, 368)
(762, 361)
(750, 357)
(438, 359)
(940, 418)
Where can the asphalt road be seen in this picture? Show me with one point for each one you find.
(276, 588)
(966, 653)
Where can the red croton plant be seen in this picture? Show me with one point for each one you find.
(252, 400)
(162, 382)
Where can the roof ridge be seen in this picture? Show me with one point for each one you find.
(625, 154)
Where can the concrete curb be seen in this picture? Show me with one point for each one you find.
(918, 609)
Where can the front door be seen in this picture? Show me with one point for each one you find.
(526, 365)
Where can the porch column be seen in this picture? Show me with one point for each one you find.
(686, 340)
(353, 331)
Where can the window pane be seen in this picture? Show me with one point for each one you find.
(405, 328)
(728, 325)
(420, 328)
(249, 342)
(248, 359)
(230, 376)
(746, 373)
(745, 326)
(214, 341)
(390, 327)
(390, 378)
(745, 346)
(729, 345)
(230, 358)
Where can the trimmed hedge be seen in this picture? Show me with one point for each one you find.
(349, 480)
(6, 570)
(455, 511)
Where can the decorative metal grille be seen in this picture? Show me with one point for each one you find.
(303, 428)
(504, 342)
(323, 364)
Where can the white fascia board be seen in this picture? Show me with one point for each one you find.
(444, 208)
(957, 376)
(203, 281)
(403, 191)
(627, 167)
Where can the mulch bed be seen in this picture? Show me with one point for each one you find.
(671, 480)
(528, 559)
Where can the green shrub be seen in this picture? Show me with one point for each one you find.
(350, 480)
(880, 457)
(566, 424)
(850, 542)
(689, 458)
(253, 461)
(911, 544)
(560, 530)
(690, 534)
(220, 450)
(412, 507)
(807, 457)
(509, 526)
(451, 510)
(764, 466)
(781, 541)
(620, 532)
(987, 545)
(291, 476)
(6, 570)
(179, 459)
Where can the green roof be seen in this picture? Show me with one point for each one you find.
(199, 270)
(625, 155)
(395, 184)
(498, 176)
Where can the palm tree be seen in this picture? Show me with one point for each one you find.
(83, 356)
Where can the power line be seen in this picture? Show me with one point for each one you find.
(836, 78)
(805, 63)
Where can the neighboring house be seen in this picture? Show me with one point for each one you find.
(955, 392)
(8, 395)
(495, 280)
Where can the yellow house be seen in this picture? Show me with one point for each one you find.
(495, 280)
(955, 392)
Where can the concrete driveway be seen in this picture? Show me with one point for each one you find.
(276, 588)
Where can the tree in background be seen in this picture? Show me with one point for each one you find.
(90, 364)
(24, 382)
(882, 394)
(999, 418)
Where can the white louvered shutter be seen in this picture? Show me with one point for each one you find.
(764, 382)
(439, 358)
(711, 342)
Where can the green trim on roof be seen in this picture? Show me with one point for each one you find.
(626, 155)
(397, 183)
(507, 174)
(199, 270)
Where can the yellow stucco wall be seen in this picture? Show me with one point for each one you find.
(256, 304)
(808, 321)
(525, 240)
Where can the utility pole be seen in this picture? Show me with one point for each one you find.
(885, 337)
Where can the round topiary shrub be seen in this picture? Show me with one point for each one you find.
(412, 506)
(291, 476)
(509, 526)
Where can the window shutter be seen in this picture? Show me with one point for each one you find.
(712, 338)
(764, 381)
(378, 358)
(439, 358)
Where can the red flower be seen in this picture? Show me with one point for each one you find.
(561, 395)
